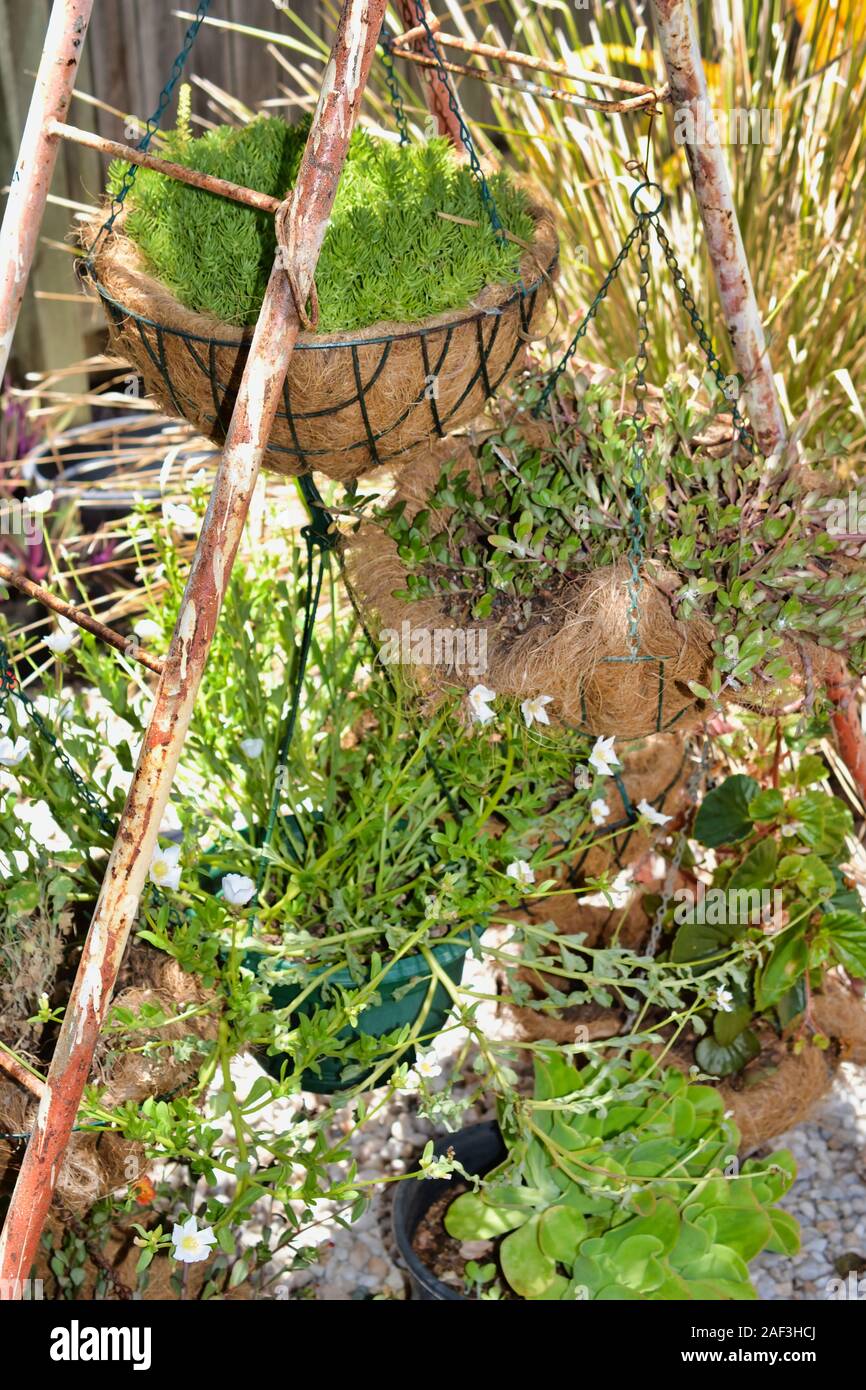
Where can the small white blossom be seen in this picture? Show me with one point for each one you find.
(147, 629)
(165, 867)
(602, 758)
(479, 698)
(181, 515)
(191, 1245)
(651, 814)
(723, 1000)
(11, 754)
(238, 889)
(791, 827)
(427, 1066)
(65, 637)
(252, 747)
(599, 810)
(522, 873)
(534, 711)
(41, 502)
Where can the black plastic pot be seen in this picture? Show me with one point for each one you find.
(108, 465)
(479, 1149)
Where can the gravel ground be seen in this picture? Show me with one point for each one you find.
(828, 1199)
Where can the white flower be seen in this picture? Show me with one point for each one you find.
(180, 515)
(147, 629)
(480, 697)
(427, 1066)
(599, 810)
(252, 747)
(238, 889)
(43, 827)
(724, 1000)
(41, 502)
(165, 867)
(651, 814)
(65, 637)
(792, 827)
(602, 758)
(533, 710)
(521, 872)
(190, 1244)
(11, 754)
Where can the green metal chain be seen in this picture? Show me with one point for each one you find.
(744, 430)
(319, 538)
(601, 295)
(393, 90)
(465, 134)
(637, 520)
(640, 232)
(152, 124)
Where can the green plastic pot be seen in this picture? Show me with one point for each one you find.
(376, 1020)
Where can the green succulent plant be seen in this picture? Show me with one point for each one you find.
(627, 1187)
(387, 254)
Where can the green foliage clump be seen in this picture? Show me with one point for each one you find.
(778, 855)
(754, 553)
(622, 1190)
(387, 254)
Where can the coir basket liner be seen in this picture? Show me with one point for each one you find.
(578, 651)
(352, 401)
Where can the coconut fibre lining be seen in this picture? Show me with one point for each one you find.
(387, 253)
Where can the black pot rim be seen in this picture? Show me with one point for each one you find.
(486, 1135)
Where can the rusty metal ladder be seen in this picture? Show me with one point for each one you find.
(306, 215)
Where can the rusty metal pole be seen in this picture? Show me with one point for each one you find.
(307, 213)
(688, 87)
(690, 100)
(37, 155)
(434, 93)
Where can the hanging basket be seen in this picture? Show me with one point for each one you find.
(577, 651)
(351, 401)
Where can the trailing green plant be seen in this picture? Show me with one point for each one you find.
(388, 254)
(778, 905)
(754, 556)
(621, 1183)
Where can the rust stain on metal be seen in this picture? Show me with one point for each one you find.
(209, 182)
(258, 399)
(37, 155)
(434, 93)
(688, 89)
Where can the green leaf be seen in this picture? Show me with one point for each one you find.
(824, 820)
(560, 1231)
(526, 1267)
(787, 963)
(698, 940)
(792, 1003)
(718, 1060)
(810, 769)
(742, 1229)
(767, 805)
(21, 899)
(473, 1217)
(723, 818)
(785, 1238)
(758, 869)
(847, 934)
(729, 1024)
